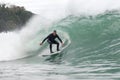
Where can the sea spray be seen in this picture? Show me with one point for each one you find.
(15, 44)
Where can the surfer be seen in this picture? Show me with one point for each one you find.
(51, 40)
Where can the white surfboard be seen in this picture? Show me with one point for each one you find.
(54, 49)
(56, 52)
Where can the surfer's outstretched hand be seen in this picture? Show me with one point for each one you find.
(41, 43)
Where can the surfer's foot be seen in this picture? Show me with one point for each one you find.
(58, 50)
(51, 52)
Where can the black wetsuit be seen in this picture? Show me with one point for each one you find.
(51, 40)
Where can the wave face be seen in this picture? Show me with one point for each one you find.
(93, 38)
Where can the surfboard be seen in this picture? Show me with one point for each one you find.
(55, 53)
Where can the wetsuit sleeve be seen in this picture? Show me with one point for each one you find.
(45, 39)
(59, 38)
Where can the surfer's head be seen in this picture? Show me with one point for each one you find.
(54, 32)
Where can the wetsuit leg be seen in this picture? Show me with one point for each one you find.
(50, 46)
(55, 42)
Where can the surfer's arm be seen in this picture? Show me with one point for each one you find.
(45, 39)
(59, 39)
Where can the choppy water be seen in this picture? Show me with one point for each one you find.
(21, 70)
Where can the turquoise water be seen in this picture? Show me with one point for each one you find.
(93, 52)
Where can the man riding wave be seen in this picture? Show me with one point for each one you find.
(51, 40)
